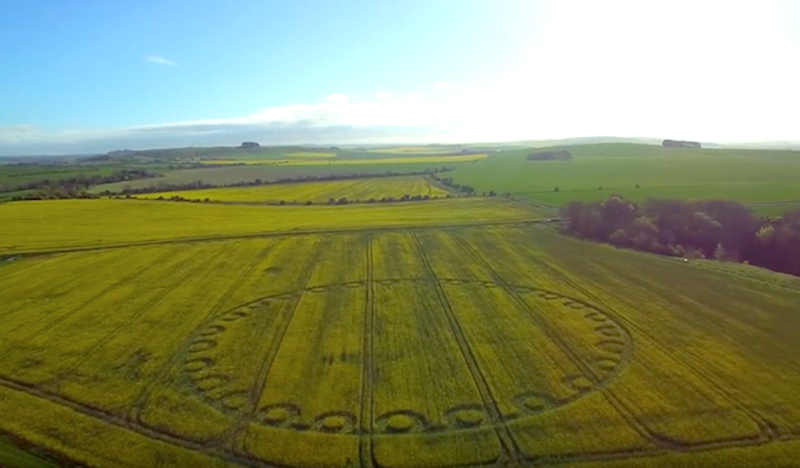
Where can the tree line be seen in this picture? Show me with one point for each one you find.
(450, 183)
(718, 229)
(73, 187)
(331, 200)
(197, 185)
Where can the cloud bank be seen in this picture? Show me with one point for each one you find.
(524, 105)
(337, 119)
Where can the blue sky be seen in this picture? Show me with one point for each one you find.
(87, 76)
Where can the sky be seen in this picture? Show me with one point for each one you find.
(89, 76)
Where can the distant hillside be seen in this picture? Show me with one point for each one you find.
(562, 155)
(680, 144)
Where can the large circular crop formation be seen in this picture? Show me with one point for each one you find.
(387, 372)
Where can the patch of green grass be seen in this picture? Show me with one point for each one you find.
(15, 175)
(597, 171)
(376, 188)
(224, 175)
(12, 455)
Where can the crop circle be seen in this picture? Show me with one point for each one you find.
(597, 345)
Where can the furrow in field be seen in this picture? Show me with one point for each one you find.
(660, 393)
(366, 402)
(120, 369)
(581, 429)
(526, 371)
(737, 348)
(395, 258)
(169, 401)
(310, 391)
(536, 372)
(425, 408)
(21, 329)
(223, 360)
(446, 361)
(42, 287)
(20, 279)
(44, 358)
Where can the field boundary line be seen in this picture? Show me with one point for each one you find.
(257, 390)
(553, 335)
(18, 276)
(73, 278)
(166, 291)
(367, 410)
(230, 456)
(267, 234)
(178, 353)
(123, 423)
(509, 444)
(765, 431)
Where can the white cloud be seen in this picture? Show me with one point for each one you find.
(159, 60)
(385, 95)
(337, 98)
(443, 85)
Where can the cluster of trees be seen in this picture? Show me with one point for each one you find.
(404, 198)
(331, 201)
(162, 187)
(680, 144)
(73, 187)
(197, 185)
(56, 193)
(80, 181)
(450, 183)
(718, 229)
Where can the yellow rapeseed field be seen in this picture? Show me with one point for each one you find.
(362, 190)
(419, 345)
(63, 224)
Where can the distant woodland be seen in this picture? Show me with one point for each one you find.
(717, 229)
(74, 187)
(680, 144)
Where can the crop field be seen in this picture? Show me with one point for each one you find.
(311, 154)
(79, 224)
(768, 181)
(222, 175)
(354, 190)
(416, 159)
(14, 175)
(485, 345)
(427, 149)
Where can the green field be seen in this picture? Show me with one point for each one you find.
(223, 175)
(318, 192)
(13, 175)
(490, 343)
(769, 180)
(312, 159)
